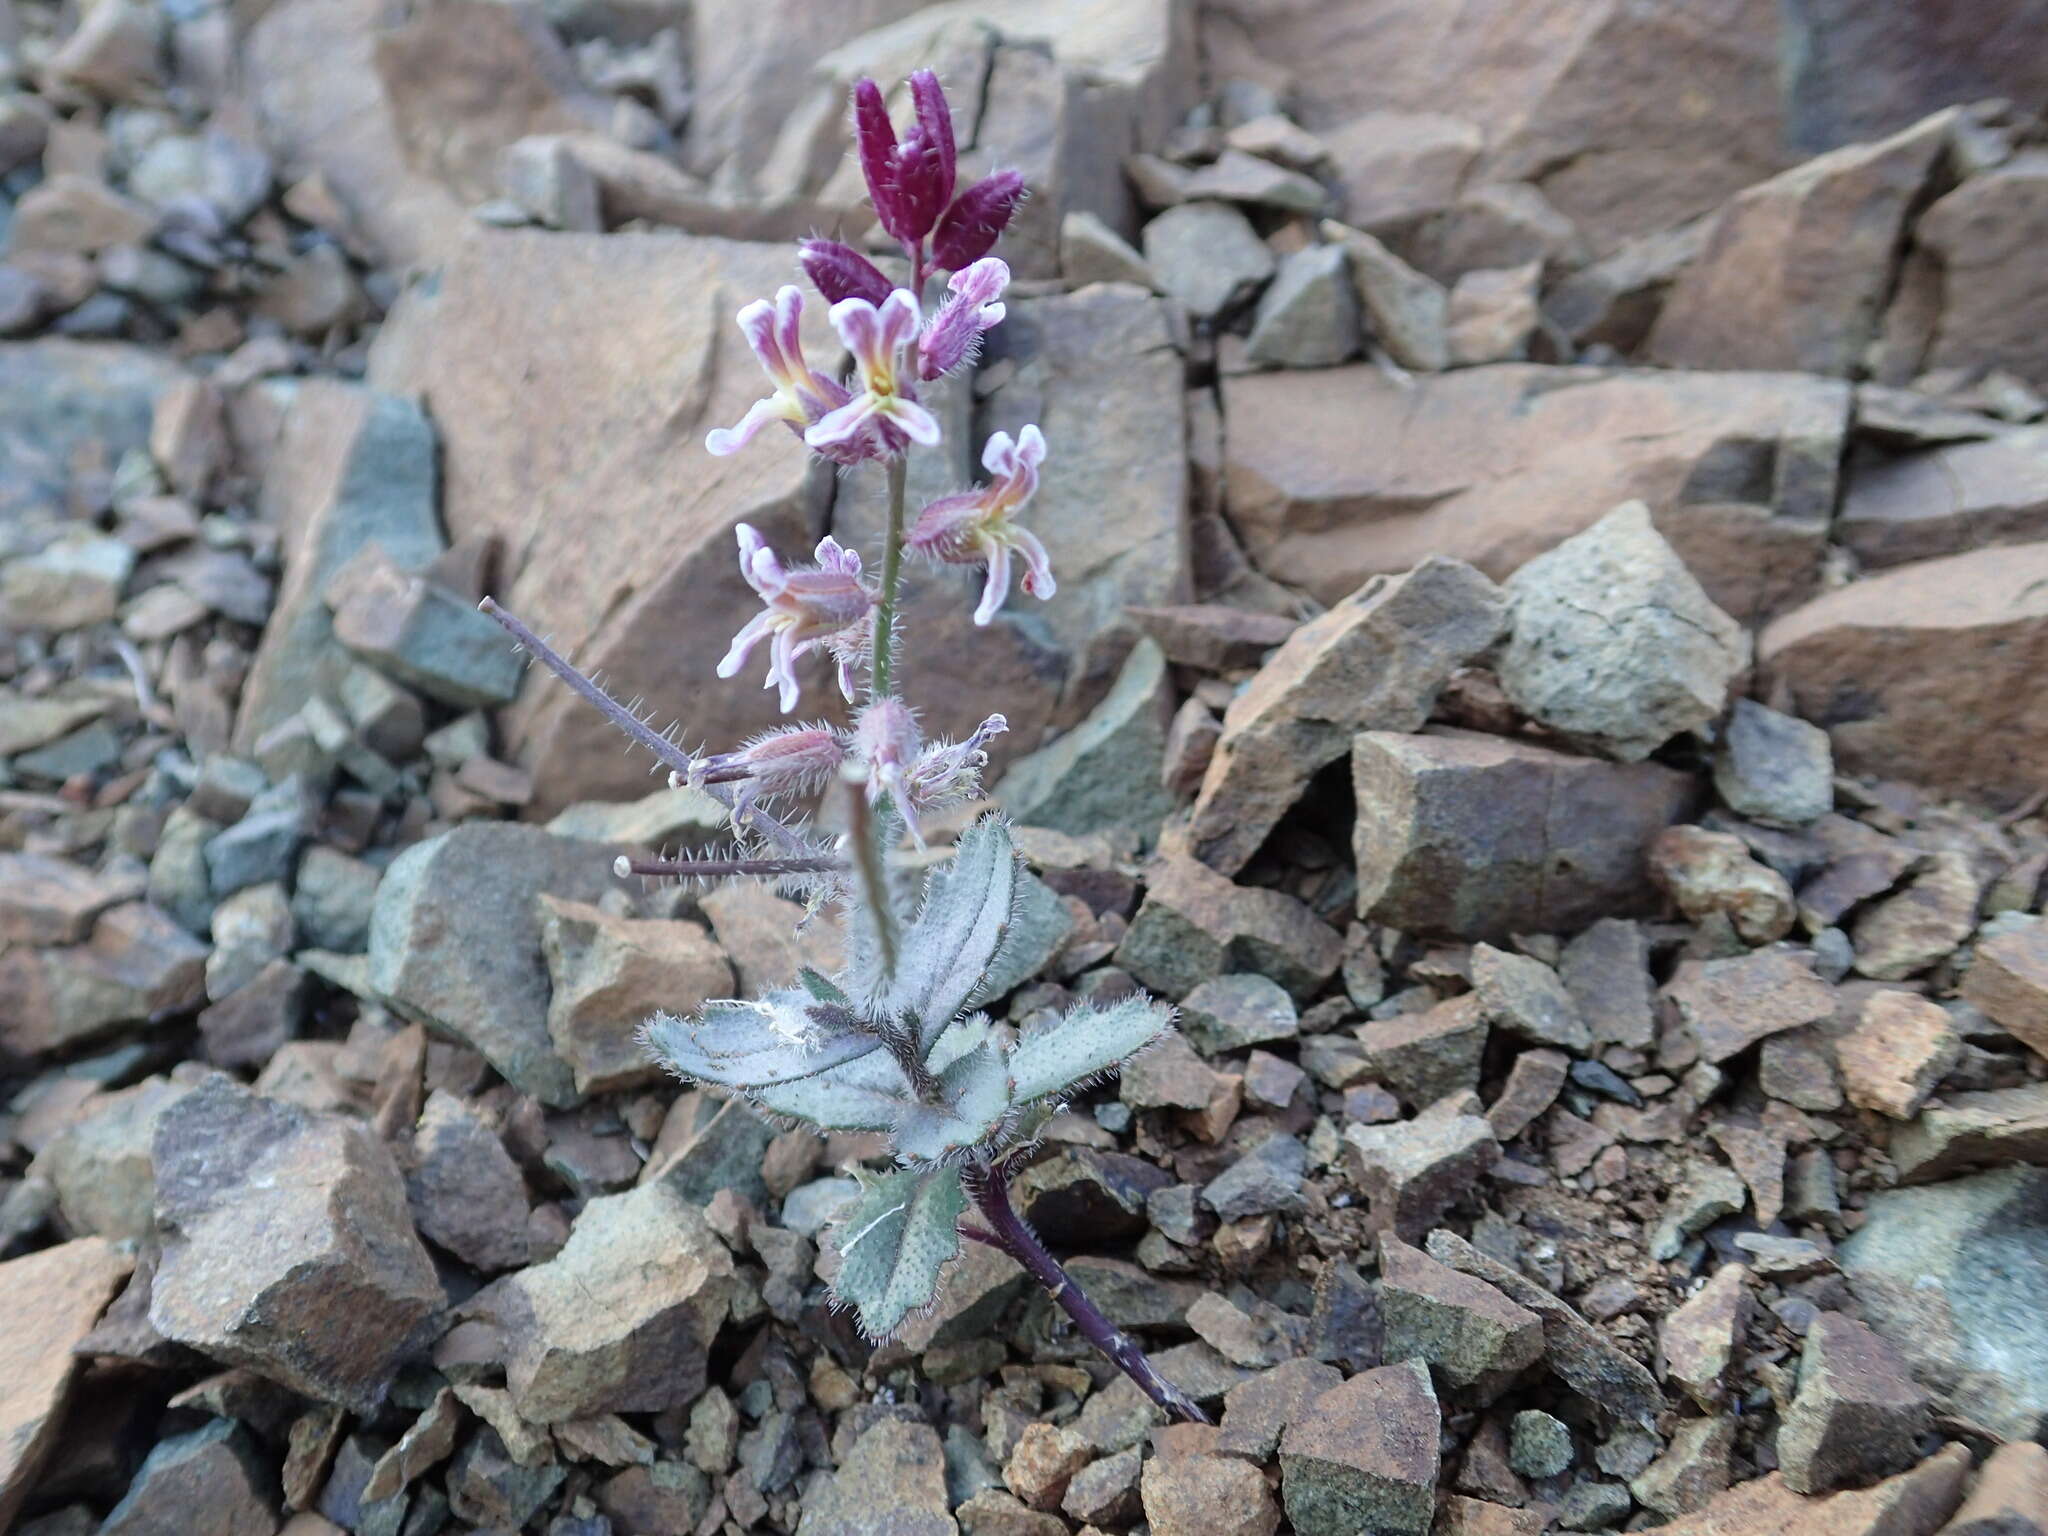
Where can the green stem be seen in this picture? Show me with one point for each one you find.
(892, 577)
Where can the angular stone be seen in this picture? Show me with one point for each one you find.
(455, 941)
(1774, 768)
(1693, 1468)
(287, 1246)
(466, 1193)
(1614, 644)
(1406, 310)
(1533, 1085)
(1333, 477)
(1425, 1056)
(1972, 1130)
(1696, 1342)
(1953, 498)
(72, 582)
(1858, 1416)
(608, 975)
(1946, 1274)
(1607, 971)
(1730, 1005)
(52, 1298)
(1712, 873)
(1476, 1339)
(1195, 923)
(1105, 1492)
(69, 214)
(1524, 997)
(1920, 925)
(1707, 1194)
(1615, 301)
(71, 397)
(423, 635)
(1092, 252)
(892, 1479)
(2008, 979)
(137, 965)
(1912, 1504)
(45, 900)
(1233, 1012)
(2010, 1496)
(1920, 673)
(1256, 1412)
(621, 1320)
(212, 1480)
(1043, 1463)
(1207, 1495)
(1582, 1356)
(1083, 1198)
(1267, 1178)
(1493, 313)
(708, 1144)
(1398, 166)
(100, 1165)
(1308, 317)
(1208, 256)
(1795, 270)
(1104, 772)
(1413, 1171)
(1480, 837)
(1365, 1456)
(1374, 662)
(1901, 1047)
(973, 1292)
(351, 467)
(1987, 321)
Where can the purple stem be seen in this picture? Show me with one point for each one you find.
(989, 1188)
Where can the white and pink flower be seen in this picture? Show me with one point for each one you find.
(829, 605)
(882, 339)
(802, 395)
(979, 527)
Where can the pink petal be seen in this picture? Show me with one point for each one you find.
(844, 424)
(899, 321)
(722, 442)
(915, 422)
(789, 319)
(997, 587)
(758, 321)
(1038, 579)
(749, 636)
(859, 325)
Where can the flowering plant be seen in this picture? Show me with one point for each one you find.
(895, 1041)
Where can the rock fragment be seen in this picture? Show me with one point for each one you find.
(1858, 1416)
(1901, 1048)
(892, 1478)
(1195, 923)
(1906, 933)
(1425, 1056)
(1972, 1130)
(1365, 1456)
(1914, 1503)
(1308, 315)
(1414, 1170)
(1709, 873)
(1524, 997)
(1693, 1468)
(1730, 1005)
(2009, 980)
(1208, 256)
(1468, 1332)
(1105, 772)
(466, 1193)
(1256, 1412)
(212, 1480)
(2010, 1496)
(1696, 1342)
(1774, 768)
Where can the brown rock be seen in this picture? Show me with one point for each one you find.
(609, 975)
(1397, 167)
(45, 900)
(2009, 980)
(51, 1300)
(1205, 1495)
(1482, 837)
(466, 1193)
(1524, 997)
(1956, 497)
(1696, 1342)
(1614, 301)
(1921, 925)
(1311, 459)
(1922, 673)
(1195, 923)
(1365, 1456)
(76, 215)
(1533, 1085)
(1213, 636)
(1413, 1171)
(2010, 1497)
(1492, 314)
(1795, 270)
(1729, 1005)
(1901, 1047)
(1914, 1503)
(1693, 1468)
(1374, 662)
(1424, 1056)
(1044, 1462)
(1255, 1412)
(100, 1165)
(137, 965)
(1858, 1416)
(1476, 1339)
(1969, 1130)
(287, 1245)
(1987, 319)
(1758, 1157)
(1713, 872)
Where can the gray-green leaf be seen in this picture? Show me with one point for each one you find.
(866, 1094)
(1084, 1044)
(959, 930)
(975, 1096)
(892, 1244)
(734, 1044)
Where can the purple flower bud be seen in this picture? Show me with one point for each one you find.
(840, 272)
(875, 139)
(970, 227)
(936, 159)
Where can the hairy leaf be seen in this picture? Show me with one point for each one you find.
(1084, 1044)
(820, 987)
(735, 1044)
(975, 1093)
(893, 1242)
(865, 1094)
(959, 931)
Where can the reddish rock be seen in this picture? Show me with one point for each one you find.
(1713, 872)
(45, 900)
(1957, 497)
(1858, 1416)
(1365, 1456)
(2010, 1496)
(1475, 1338)
(1926, 672)
(137, 965)
(1901, 1048)
(1914, 1503)
(1730, 1005)
(1991, 315)
(1795, 270)
(1334, 475)
(1482, 837)
(1696, 1342)
(2009, 980)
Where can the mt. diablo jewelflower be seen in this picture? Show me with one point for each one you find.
(954, 336)
(880, 340)
(826, 605)
(797, 759)
(911, 184)
(885, 740)
(977, 527)
(802, 396)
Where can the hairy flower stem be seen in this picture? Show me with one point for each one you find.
(892, 578)
(989, 1189)
(719, 869)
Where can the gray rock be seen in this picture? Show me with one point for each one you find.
(1948, 1274)
(1538, 1445)
(100, 1166)
(810, 1208)
(1267, 1178)
(250, 929)
(1708, 1193)
(1607, 971)
(1234, 1012)
(1692, 1469)
(1374, 662)
(424, 635)
(466, 1193)
(1614, 645)
(1474, 1338)
(1424, 1056)
(1104, 772)
(621, 1320)
(333, 898)
(1308, 317)
(1414, 1170)
(351, 467)
(1697, 1340)
(1364, 1456)
(891, 1482)
(1208, 256)
(1092, 252)
(287, 1246)
(247, 1027)
(1858, 1416)
(263, 846)
(211, 1480)
(137, 965)
(708, 1144)
(1258, 1411)
(455, 941)
(1774, 768)
(1525, 998)
(1406, 310)
(64, 397)
(1195, 923)
(487, 1486)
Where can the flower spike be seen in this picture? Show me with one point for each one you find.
(806, 607)
(978, 527)
(880, 339)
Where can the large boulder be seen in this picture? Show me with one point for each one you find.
(1929, 672)
(1343, 473)
(1993, 308)
(572, 378)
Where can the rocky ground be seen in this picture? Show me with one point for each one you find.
(1552, 522)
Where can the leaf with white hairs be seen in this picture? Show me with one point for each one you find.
(894, 1240)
